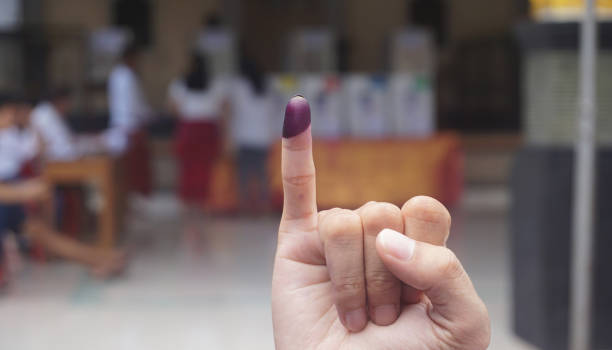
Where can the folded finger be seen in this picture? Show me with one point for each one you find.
(342, 237)
(382, 287)
(425, 220)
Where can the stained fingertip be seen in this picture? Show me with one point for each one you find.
(297, 117)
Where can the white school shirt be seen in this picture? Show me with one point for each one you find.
(58, 139)
(252, 115)
(16, 148)
(128, 107)
(194, 105)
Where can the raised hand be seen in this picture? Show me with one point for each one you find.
(378, 277)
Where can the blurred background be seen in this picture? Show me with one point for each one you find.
(171, 113)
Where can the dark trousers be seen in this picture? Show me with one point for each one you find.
(12, 217)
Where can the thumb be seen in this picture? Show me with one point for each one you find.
(437, 272)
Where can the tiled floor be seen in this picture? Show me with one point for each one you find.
(205, 285)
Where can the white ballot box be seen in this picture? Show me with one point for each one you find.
(412, 105)
(366, 102)
(323, 94)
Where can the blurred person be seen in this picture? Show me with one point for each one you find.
(10, 157)
(372, 278)
(252, 108)
(199, 102)
(129, 114)
(16, 149)
(23, 142)
(218, 45)
(31, 141)
(23, 148)
(49, 120)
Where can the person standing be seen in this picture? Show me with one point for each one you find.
(252, 108)
(198, 101)
(217, 43)
(129, 114)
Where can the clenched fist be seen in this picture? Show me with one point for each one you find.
(378, 277)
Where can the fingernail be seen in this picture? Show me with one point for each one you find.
(385, 314)
(396, 244)
(356, 320)
(297, 117)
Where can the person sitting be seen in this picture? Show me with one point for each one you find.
(252, 111)
(60, 144)
(17, 146)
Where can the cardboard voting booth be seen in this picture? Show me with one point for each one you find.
(412, 105)
(324, 95)
(365, 99)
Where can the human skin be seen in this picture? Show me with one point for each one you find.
(378, 277)
(25, 191)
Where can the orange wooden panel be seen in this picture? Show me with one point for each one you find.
(224, 186)
(352, 172)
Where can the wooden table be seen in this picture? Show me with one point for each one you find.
(102, 171)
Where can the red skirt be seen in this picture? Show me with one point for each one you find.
(197, 146)
(138, 163)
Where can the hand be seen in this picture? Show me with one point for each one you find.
(354, 279)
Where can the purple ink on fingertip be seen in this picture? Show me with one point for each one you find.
(297, 117)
